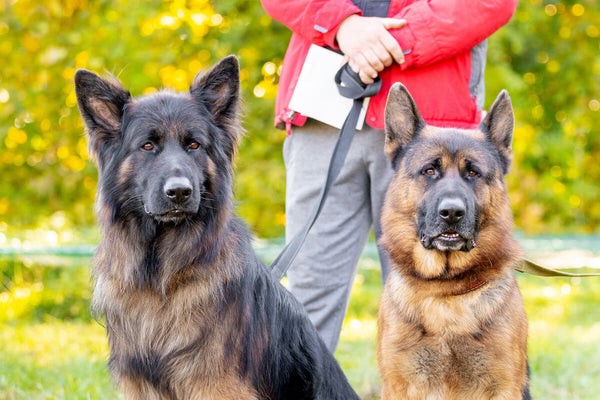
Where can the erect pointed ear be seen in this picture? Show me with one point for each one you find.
(498, 125)
(218, 89)
(101, 104)
(402, 120)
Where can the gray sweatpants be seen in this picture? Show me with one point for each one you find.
(321, 277)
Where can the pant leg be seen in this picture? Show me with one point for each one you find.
(380, 173)
(321, 276)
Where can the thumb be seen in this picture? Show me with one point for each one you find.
(393, 23)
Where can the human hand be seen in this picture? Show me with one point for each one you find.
(368, 46)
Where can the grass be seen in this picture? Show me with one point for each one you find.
(54, 360)
(50, 348)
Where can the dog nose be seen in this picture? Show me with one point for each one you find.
(452, 210)
(178, 189)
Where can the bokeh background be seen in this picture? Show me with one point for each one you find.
(547, 57)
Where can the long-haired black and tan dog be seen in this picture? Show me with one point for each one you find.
(452, 324)
(191, 313)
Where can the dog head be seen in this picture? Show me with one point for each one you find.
(167, 156)
(448, 186)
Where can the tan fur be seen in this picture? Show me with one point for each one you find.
(164, 323)
(437, 338)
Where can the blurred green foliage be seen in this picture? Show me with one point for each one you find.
(547, 57)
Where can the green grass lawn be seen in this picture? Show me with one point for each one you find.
(50, 348)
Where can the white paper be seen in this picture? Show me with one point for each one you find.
(316, 94)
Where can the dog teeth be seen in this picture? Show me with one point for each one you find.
(450, 235)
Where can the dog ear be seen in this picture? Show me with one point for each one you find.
(402, 120)
(101, 104)
(218, 89)
(499, 124)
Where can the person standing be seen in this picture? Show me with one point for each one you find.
(437, 49)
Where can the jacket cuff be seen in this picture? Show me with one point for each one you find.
(328, 21)
(406, 39)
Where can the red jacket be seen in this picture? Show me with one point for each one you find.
(439, 38)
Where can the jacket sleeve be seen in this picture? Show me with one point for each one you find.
(440, 29)
(314, 20)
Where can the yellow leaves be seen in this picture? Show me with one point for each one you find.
(31, 44)
(53, 55)
(592, 31)
(280, 218)
(72, 162)
(216, 19)
(556, 171)
(259, 90)
(564, 32)
(15, 137)
(529, 78)
(574, 201)
(537, 112)
(4, 206)
(578, 10)
(62, 152)
(269, 68)
(198, 16)
(4, 28)
(267, 88)
(553, 67)
(558, 188)
(174, 78)
(81, 59)
(550, 10)
(169, 21)
(542, 57)
(4, 95)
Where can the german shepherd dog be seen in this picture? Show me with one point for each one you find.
(191, 313)
(452, 324)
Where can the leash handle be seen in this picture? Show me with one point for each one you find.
(532, 268)
(350, 86)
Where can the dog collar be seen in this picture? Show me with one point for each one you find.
(473, 286)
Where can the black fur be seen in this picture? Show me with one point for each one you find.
(165, 206)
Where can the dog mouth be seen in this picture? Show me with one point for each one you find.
(449, 240)
(174, 215)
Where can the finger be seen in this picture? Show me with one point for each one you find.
(345, 60)
(376, 58)
(360, 65)
(393, 23)
(384, 57)
(365, 78)
(393, 48)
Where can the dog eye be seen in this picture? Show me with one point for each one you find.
(472, 174)
(147, 146)
(193, 145)
(429, 171)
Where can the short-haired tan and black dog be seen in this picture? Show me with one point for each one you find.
(452, 324)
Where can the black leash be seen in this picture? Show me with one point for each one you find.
(350, 86)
